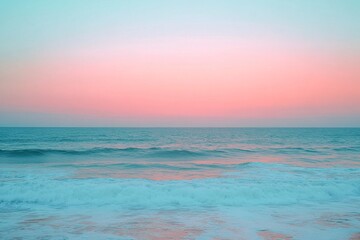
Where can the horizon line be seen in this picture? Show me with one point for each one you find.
(180, 127)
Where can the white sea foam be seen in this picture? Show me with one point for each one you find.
(266, 187)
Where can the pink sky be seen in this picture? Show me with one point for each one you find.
(180, 63)
(178, 77)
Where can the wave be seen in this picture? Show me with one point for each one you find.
(103, 139)
(134, 166)
(41, 152)
(163, 152)
(347, 149)
(176, 153)
(130, 166)
(294, 150)
(146, 152)
(226, 166)
(270, 188)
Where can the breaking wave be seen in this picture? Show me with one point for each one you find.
(141, 193)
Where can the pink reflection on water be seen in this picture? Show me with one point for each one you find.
(157, 228)
(150, 175)
(235, 161)
(355, 236)
(163, 176)
(268, 235)
(337, 220)
(182, 170)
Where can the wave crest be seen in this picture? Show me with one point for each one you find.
(130, 193)
(146, 152)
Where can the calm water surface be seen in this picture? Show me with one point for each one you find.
(186, 183)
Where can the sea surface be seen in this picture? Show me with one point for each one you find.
(180, 183)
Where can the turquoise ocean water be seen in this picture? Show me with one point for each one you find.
(180, 183)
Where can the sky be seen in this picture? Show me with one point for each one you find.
(188, 63)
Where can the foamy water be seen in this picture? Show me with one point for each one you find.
(114, 183)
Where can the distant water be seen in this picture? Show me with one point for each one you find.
(186, 183)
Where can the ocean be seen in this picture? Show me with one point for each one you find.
(180, 183)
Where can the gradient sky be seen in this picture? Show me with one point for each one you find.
(180, 63)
